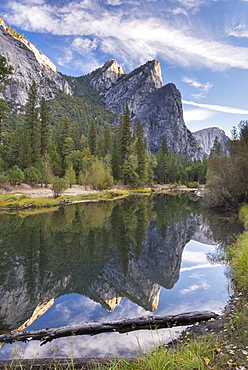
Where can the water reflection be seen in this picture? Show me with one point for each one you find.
(105, 251)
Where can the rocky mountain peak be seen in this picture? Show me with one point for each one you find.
(103, 78)
(158, 107)
(28, 64)
(205, 138)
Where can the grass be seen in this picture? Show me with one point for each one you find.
(20, 202)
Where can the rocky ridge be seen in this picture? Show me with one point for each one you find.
(206, 137)
(28, 64)
(158, 107)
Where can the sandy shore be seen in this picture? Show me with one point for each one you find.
(38, 191)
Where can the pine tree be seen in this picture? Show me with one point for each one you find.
(92, 137)
(141, 153)
(125, 134)
(164, 146)
(162, 168)
(5, 70)
(44, 132)
(70, 176)
(3, 116)
(138, 130)
(56, 161)
(32, 125)
(108, 143)
(115, 165)
(25, 154)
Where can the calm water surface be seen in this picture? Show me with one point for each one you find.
(98, 262)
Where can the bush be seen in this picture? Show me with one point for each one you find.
(193, 184)
(58, 186)
(32, 175)
(16, 175)
(3, 179)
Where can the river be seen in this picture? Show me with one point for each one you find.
(98, 262)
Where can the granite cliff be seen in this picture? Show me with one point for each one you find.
(29, 64)
(158, 107)
(205, 138)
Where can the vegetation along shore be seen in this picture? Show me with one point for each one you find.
(71, 141)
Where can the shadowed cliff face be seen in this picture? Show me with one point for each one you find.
(158, 107)
(105, 251)
(29, 64)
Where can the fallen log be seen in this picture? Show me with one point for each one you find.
(124, 326)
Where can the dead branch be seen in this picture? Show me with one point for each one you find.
(124, 326)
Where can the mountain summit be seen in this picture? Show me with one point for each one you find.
(158, 107)
(29, 64)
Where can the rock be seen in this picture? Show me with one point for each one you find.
(158, 107)
(29, 64)
(205, 138)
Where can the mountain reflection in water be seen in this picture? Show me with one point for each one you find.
(105, 251)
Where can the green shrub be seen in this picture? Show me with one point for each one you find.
(4, 178)
(32, 175)
(59, 185)
(193, 184)
(16, 175)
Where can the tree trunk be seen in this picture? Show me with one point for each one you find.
(124, 326)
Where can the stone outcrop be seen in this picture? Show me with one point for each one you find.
(29, 64)
(158, 107)
(205, 138)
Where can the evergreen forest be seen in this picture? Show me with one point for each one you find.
(76, 140)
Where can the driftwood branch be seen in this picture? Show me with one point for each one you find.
(124, 326)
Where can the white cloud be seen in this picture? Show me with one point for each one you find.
(191, 3)
(203, 88)
(201, 266)
(197, 115)
(120, 33)
(198, 85)
(239, 31)
(217, 108)
(85, 45)
(113, 2)
(66, 59)
(194, 287)
(194, 256)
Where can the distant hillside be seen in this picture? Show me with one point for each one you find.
(205, 138)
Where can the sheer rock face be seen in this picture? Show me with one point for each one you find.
(158, 107)
(29, 64)
(18, 307)
(162, 115)
(206, 137)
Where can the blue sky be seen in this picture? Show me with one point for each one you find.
(202, 45)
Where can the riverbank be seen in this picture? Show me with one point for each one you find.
(24, 196)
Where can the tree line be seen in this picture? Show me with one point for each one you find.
(43, 144)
